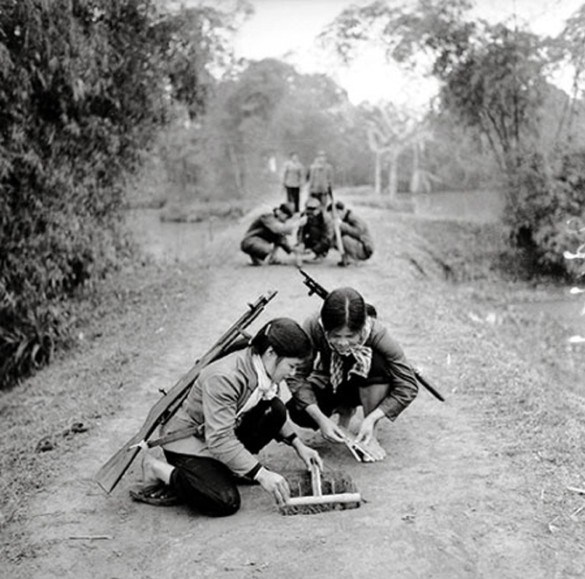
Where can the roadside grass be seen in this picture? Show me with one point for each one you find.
(115, 334)
(525, 379)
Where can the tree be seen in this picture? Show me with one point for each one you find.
(83, 91)
(391, 131)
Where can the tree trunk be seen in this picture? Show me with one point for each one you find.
(378, 174)
(415, 178)
(393, 175)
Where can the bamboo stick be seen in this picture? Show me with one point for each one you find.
(324, 499)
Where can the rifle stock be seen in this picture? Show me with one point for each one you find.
(317, 288)
(113, 470)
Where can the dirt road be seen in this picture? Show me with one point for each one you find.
(446, 503)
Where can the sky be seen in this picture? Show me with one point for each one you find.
(286, 29)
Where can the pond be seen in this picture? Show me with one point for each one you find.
(171, 240)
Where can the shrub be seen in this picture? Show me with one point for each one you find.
(541, 203)
(82, 91)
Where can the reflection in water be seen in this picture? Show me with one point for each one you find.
(170, 241)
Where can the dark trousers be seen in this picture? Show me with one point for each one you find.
(322, 197)
(348, 394)
(209, 486)
(293, 196)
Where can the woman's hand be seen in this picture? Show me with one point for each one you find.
(331, 431)
(367, 437)
(275, 484)
(366, 431)
(307, 454)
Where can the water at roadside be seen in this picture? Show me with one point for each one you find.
(166, 241)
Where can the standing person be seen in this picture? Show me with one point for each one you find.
(320, 179)
(292, 179)
(355, 363)
(355, 236)
(235, 408)
(267, 233)
(315, 232)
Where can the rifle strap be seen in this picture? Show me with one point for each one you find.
(177, 435)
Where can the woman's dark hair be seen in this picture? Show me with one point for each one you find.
(343, 307)
(287, 338)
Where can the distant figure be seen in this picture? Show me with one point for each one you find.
(320, 179)
(315, 233)
(267, 233)
(292, 179)
(355, 236)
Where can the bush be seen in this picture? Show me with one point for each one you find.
(541, 204)
(82, 91)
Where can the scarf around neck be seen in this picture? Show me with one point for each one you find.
(361, 354)
(266, 389)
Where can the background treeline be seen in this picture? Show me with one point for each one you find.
(106, 103)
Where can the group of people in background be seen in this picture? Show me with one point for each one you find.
(321, 225)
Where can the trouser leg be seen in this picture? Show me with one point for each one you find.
(261, 424)
(205, 484)
(257, 248)
(292, 196)
(298, 414)
(372, 395)
(354, 248)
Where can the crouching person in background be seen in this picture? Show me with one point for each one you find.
(355, 235)
(267, 233)
(315, 233)
(235, 408)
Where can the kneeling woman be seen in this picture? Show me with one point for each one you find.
(355, 363)
(235, 404)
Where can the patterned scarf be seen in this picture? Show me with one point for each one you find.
(361, 354)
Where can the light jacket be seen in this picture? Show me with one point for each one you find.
(216, 397)
(320, 178)
(293, 174)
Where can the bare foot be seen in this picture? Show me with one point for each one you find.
(375, 449)
(149, 464)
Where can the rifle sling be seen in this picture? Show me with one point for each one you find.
(177, 435)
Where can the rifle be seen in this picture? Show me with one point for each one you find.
(112, 471)
(317, 288)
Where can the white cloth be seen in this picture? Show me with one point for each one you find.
(266, 389)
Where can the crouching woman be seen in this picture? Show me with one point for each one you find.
(235, 406)
(355, 363)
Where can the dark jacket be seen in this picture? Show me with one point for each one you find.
(317, 233)
(269, 228)
(355, 227)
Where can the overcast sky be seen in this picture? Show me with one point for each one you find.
(289, 27)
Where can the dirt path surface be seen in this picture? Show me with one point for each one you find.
(446, 503)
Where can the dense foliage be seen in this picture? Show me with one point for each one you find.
(495, 80)
(84, 86)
